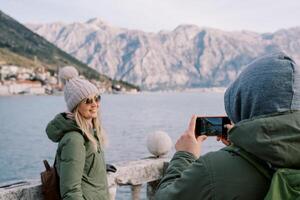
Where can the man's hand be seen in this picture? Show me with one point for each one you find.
(223, 139)
(188, 141)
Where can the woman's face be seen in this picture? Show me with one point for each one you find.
(88, 107)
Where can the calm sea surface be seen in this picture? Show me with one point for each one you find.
(126, 118)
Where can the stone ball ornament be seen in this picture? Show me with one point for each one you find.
(159, 143)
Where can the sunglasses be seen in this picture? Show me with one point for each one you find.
(91, 100)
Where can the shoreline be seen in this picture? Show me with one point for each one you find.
(189, 90)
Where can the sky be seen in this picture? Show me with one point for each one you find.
(155, 15)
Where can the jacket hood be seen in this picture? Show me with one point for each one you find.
(270, 84)
(59, 126)
(274, 138)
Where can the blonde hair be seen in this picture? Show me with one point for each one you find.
(88, 131)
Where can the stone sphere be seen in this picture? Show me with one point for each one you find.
(159, 143)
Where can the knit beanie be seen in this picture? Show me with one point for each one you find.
(270, 84)
(76, 89)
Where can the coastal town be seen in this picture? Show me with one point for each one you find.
(17, 80)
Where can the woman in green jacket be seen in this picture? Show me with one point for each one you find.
(264, 104)
(80, 158)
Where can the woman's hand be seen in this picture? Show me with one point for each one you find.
(188, 141)
(225, 139)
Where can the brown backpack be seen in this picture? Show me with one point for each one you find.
(50, 182)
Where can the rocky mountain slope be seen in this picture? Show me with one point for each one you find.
(20, 46)
(186, 57)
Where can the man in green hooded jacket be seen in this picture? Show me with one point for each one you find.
(264, 104)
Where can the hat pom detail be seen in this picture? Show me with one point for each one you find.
(68, 72)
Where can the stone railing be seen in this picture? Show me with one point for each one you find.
(132, 173)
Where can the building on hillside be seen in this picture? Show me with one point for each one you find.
(8, 71)
(25, 87)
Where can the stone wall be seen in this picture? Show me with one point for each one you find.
(134, 173)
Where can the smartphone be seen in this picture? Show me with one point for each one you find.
(212, 126)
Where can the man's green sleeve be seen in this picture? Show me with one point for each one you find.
(186, 178)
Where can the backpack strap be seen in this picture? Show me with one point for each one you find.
(260, 165)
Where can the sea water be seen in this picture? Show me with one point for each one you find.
(126, 118)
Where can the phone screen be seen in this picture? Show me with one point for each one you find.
(211, 126)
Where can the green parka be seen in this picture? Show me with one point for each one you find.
(223, 175)
(81, 168)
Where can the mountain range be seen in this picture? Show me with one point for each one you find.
(186, 57)
(21, 47)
